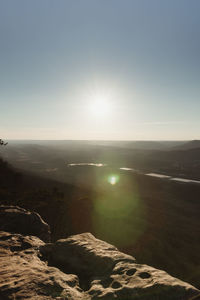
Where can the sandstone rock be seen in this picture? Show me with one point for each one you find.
(141, 282)
(23, 275)
(84, 254)
(79, 267)
(109, 274)
(18, 220)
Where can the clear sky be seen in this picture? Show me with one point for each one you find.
(100, 69)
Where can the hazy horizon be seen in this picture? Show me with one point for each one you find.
(100, 70)
(106, 140)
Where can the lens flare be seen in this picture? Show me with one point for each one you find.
(113, 179)
(118, 212)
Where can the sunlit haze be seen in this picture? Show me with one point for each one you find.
(100, 106)
(111, 70)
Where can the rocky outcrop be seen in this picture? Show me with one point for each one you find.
(106, 273)
(18, 220)
(23, 275)
(80, 267)
(91, 257)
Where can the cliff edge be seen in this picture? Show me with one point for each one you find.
(78, 267)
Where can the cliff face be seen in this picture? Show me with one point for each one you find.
(78, 267)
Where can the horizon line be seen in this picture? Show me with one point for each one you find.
(106, 140)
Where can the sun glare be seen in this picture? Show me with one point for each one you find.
(100, 106)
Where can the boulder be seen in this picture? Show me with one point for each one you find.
(18, 220)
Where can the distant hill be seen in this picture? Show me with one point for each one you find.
(143, 145)
(179, 155)
(76, 144)
(188, 145)
(155, 145)
(50, 159)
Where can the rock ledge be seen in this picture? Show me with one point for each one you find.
(78, 267)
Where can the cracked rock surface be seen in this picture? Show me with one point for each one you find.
(80, 267)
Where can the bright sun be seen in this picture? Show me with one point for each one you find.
(100, 106)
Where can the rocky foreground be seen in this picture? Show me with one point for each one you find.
(78, 267)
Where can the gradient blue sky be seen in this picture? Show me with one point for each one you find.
(143, 55)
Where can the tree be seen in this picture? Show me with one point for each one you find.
(2, 143)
